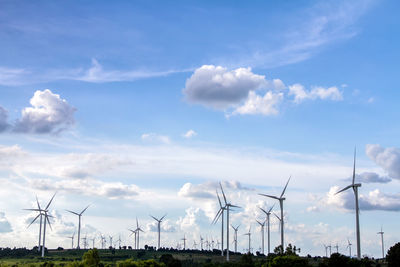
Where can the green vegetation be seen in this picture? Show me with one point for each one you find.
(175, 258)
(393, 256)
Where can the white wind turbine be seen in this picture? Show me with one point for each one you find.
(111, 238)
(72, 240)
(228, 205)
(138, 230)
(201, 242)
(326, 250)
(79, 225)
(158, 227)
(349, 246)
(262, 225)
(280, 199)
(42, 212)
(268, 213)
(355, 187)
(249, 234)
(235, 236)
(219, 214)
(383, 250)
(184, 242)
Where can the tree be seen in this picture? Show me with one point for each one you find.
(393, 256)
(91, 258)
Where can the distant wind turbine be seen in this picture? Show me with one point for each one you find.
(268, 213)
(355, 187)
(326, 250)
(280, 199)
(79, 225)
(235, 236)
(262, 235)
(72, 240)
(349, 246)
(383, 250)
(184, 242)
(158, 227)
(249, 234)
(201, 242)
(138, 230)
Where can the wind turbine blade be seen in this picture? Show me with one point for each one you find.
(259, 222)
(84, 209)
(354, 166)
(37, 201)
(284, 189)
(277, 216)
(33, 209)
(137, 223)
(73, 212)
(154, 218)
(223, 194)
(219, 200)
(263, 210)
(50, 201)
(271, 208)
(344, 189)
(274, 197)
(217, 216)
(234, 206)
(34, 220)
(163, 217)
(47, 218)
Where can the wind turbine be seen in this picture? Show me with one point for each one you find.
(268, 213)
(326, 250)
(119, 241)
(219, 214)
(111, 243)
(349, 246)
(42, 212)
(383, 250)
(194, 244)
(330, 250)
(138, 230)
(355, 190)
(262, 234)
(133, 232)
(79, 225)
(249, 234)
(72, 240)
(158, 227)
(337, 248)
(93, 239)
(235, 236)
(201, 242)
(184, 242)
(228, 205)
(280, 199)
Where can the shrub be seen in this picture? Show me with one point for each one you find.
(393, 256)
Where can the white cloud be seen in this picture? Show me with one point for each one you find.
(387, 158)
(97, 74)
(220, 88)
(165, 226)
(90, 186)
(49, 114)
(372, 177)
(300, 93)
(208, 190)
(11, 76)
(190, 134)
(265, 105)
(374, 200)
(5, 226)
(155, 138)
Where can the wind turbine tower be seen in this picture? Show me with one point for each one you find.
(184, 242)
(219, 214)
(383, 250)
(349, 246)
(79, 225)
(72, 240)
(280, 199)
(158, 227)
(249, 234)
(355, 187)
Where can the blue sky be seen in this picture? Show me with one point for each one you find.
(142, 106)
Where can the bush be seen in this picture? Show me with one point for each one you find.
(170, 261)
(133, 263)
(289, 261)
(91, 258)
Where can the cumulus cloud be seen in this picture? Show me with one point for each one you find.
(372, 177)
(49, 114)
(165, 226)
(300, 93)
(5, 226)
(374, 200)
(220, 88)
(264, 105)
(190, 134)
(387, 158)
(207, 190)
(193, 219)
(111, 190)
(3, 119)
(155, 138)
